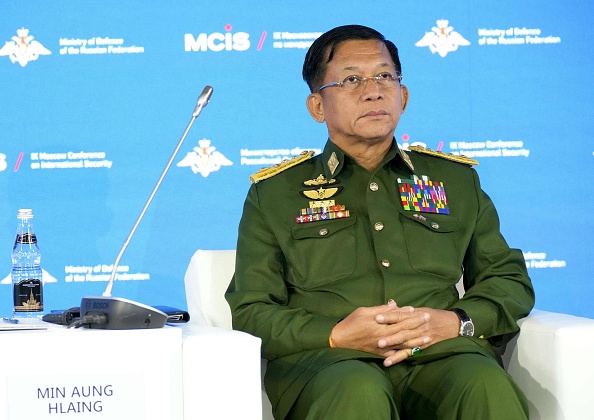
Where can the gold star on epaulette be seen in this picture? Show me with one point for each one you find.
(455, 158)
(265, 173)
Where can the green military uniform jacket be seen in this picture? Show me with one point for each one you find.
(293, 281)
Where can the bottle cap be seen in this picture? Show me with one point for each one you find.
(25, 214)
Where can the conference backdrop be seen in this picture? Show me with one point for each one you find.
(95, 95)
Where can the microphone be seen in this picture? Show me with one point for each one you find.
(202, 101)
(107, 312)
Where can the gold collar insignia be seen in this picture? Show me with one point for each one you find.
(407, 160)
(333, 163)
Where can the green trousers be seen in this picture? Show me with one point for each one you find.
(462, 386)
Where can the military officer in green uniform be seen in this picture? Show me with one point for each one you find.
(347, 262)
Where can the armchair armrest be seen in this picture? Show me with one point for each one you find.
(552, 361)
(221, 374)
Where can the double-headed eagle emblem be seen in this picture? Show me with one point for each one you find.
(23, 48)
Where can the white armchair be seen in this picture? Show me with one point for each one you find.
(221, 367)
(551, 359)
(206, 281)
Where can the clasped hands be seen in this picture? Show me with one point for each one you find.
(393, 332)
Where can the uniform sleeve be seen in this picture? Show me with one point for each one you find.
(498, 289)
(258, 294)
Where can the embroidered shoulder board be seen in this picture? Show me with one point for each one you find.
(456, 158)
(265, 173)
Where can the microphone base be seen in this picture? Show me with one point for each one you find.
(120, 313)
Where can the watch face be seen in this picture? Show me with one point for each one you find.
(467, 329)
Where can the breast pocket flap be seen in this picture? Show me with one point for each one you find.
(323, 229)
(437, 224)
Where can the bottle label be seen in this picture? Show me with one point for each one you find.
(28, 296)
(26, 238)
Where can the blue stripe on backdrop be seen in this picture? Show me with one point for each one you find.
(115, 84)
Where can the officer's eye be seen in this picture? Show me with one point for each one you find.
(384, 76)
(352, 80)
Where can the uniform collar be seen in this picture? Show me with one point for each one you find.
(405, 158)
(334, 159)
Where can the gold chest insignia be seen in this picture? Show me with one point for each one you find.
(321, 193)
(320, 180)
(321, 208)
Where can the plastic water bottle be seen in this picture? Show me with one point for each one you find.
(26, 274)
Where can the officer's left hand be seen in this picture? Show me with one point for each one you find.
(441, 325)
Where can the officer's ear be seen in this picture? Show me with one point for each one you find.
(403, 97)
(315, 107)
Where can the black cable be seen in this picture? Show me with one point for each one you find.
(70, 315)
(97, 318)
(76, 324)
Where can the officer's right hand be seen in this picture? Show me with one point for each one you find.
(361, 330)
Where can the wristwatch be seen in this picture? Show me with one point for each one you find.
(466, 325)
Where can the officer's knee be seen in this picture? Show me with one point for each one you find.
(363, 384)
(481, 386)
(351, 386)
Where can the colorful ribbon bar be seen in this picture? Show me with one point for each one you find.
(329, 215)
(317, 210)
(423, 195)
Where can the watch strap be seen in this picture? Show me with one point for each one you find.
(462, 315)
(466, 324)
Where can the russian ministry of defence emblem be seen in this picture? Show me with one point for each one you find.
(204, 159)
(23, 48)
(443, 39)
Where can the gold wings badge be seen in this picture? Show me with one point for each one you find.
(321, 193)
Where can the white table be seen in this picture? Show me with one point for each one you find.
(64, 373)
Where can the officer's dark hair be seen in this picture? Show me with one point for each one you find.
(322, 51)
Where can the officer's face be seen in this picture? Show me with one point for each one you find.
(365, 115)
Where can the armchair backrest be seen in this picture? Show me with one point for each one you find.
(207, 278)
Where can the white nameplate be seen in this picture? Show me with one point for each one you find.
(109, 396)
